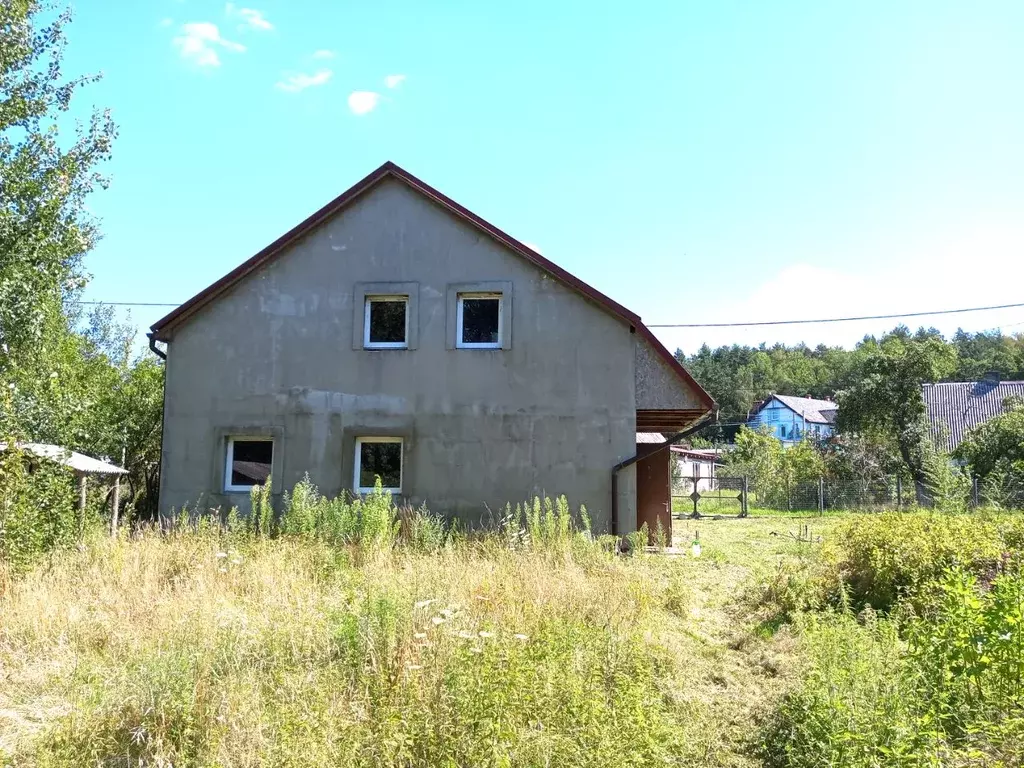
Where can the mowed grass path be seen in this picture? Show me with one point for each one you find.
(203, 649)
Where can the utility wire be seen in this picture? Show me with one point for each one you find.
(695, 325)
(833, 319)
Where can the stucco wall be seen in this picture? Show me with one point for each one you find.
(657, 386)
(550, 414)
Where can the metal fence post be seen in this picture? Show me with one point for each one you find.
(975, 496)
(899, 492)
(821, 495)
(744, 501)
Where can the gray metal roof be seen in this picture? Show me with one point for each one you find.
(814, 411)
(649, 438)
(76, 461)
(955, 407)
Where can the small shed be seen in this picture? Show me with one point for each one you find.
(82, 466)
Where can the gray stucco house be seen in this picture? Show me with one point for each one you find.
(395, 333)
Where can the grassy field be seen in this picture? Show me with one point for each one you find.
(211, 648)
(200, 649)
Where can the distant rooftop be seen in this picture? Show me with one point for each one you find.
(955, 407)
(814, 411)
(71, 459)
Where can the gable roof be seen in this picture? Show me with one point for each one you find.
(161, 330)
(955, 407)
(813, 410)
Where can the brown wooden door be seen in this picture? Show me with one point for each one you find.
(654, 493)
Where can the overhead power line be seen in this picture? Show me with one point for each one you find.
(694, 325)
(834, 319)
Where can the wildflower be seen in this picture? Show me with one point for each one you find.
(484, 634)
(222, 569)
(467, 635)
(221, 555)
(474, 649)
(524, 638)
(437, 620)
(423, 603)
(482, 597)
(236, 561)
(420, 635)
(413, 666)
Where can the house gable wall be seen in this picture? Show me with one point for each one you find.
(550, 414)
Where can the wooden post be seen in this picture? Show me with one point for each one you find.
(115, 506)
(899, 492)
(821, 495)
(744, 492)
(81, 502)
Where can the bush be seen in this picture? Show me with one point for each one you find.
(951, 693)
(892, 555)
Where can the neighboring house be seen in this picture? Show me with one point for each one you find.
(955, 407)
(395, 334)
(790, 418)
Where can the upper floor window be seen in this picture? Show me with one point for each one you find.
(478, 321)
(386, 322)
(249, 461)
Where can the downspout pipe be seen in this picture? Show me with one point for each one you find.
(697, 425)
(154, 348)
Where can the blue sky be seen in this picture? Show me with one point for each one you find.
(698, 162)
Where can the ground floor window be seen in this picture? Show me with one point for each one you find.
(248, 463)
(378, 457)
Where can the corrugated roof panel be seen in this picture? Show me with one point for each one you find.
(955, 407)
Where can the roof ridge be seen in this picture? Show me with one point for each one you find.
(159, 329)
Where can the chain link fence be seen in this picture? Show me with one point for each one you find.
(713, 495)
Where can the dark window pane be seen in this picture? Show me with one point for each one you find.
(251, 461)
(383, 459)
(387, 322)
(480, 321)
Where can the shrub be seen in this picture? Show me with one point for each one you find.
(891, 555)
(949, 694)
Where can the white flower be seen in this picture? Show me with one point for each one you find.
(222, 569)
(413, 666)
(467, 635)
(420, 635)
(438, 620)
(524, 638)
(475, 650)
(221, 555)
(423, 603)
(485, 634)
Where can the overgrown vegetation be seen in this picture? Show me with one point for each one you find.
(347, 633)
(66, 377)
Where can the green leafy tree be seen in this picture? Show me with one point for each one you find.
(44, 180)
(1000, 439)
(885, 404)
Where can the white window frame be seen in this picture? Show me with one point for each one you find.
(459, 343)
(367, 344)
(229, 459)
(357, 462)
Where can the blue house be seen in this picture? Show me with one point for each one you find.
(790, 418)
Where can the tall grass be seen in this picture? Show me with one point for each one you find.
(341, 632)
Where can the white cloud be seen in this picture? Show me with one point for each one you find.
(393, 81)
(928, 274)
(199, 41)
(250, 17)
(302, 81)
(166, 22)
(323, 53)
(362, 102)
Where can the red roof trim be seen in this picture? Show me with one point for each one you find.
(388, 169)
(161, 327)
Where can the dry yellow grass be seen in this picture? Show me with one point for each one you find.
(199, 649)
